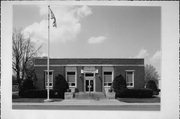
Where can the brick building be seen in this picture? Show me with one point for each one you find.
(90, 74)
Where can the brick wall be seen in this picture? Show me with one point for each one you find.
(98, 80)
(138, 74)
(80, 79)
(40, 83)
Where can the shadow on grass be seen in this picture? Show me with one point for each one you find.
(16, 98)
(33, 100)
(140, 100)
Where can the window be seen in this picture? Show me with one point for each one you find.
(89, 74)
(71, 78)
(71, 75)
(130, 78)
(107, 78)
(50, 79)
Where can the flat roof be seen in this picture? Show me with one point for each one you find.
(99, 61)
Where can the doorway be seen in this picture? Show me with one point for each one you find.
(89, 82)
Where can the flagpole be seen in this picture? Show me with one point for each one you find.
(48, 55)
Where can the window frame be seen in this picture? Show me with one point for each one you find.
(46, 86)
(71, 70)
(112, 75)
(129, 86)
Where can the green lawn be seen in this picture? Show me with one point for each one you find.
(33, 100)
(16, 98)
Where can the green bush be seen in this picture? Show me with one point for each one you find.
(61, 86)
(119, 83)
(60, 83)
(152, 85)
(27, 84)
(34, 93)
(134, 93)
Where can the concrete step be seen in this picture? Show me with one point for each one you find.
(92, 95)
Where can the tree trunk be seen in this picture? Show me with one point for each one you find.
(18, 79)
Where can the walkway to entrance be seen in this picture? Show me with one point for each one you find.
(91, 95)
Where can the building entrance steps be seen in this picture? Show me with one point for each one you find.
(91, 95)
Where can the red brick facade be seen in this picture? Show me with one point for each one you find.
(98, 68)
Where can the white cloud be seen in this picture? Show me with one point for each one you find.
(155, 60)
(68, 20)
(83, 11)
(156, 57)
(143, 53)
(95, 40)
(43, 54)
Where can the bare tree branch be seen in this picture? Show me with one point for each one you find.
(151, 73)
(23, 53)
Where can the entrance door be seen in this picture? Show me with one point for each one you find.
(89, 82)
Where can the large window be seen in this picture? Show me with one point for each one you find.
(108, 78)
(130, 78)
(71, 78)
(50, 79)
(71, 75)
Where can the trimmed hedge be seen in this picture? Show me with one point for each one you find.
(34, 93)
(134, 93)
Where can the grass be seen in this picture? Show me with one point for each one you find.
(140, 100)
(33, 100)
(16, 98)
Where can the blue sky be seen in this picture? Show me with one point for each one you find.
(94, 31)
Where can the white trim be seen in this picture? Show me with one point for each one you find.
(50, 87)
(56, 65)
(129, 70)
(132, 77)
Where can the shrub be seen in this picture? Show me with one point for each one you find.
(60, 83)
(27, 84)
(134, 93)
(151, 84)
(34, 93)
(119, 83)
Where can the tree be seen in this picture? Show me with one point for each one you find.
(60, 83)
(24, 51)
(151, 84)
(151, 73)
(119, 83)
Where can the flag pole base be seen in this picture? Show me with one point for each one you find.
(48, 100)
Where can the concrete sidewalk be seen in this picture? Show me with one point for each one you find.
(74, 104)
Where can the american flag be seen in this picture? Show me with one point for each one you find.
(53, 17)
